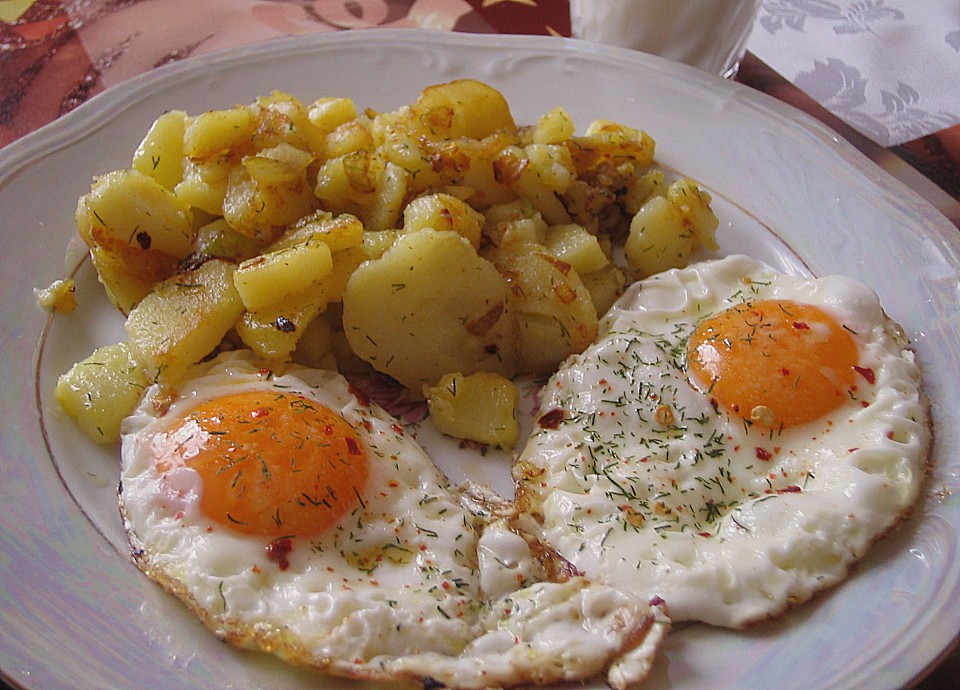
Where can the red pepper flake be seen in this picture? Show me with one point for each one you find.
(551, 419)
(867, 373)
(789, 490)
(801, 325)
(279, 550)
(352, 446)
(763, 453)
(361, 397)
(705, 534)
(260, 412)
(785, 372)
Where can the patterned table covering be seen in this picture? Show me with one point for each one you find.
(885, 74)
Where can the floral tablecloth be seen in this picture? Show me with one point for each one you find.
(888, 68)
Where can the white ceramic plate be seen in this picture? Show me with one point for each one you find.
(77, 614)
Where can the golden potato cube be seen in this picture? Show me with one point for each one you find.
(481, 407)
(659, 238)
(216, 240)
(543, 343)
(276, 330)
(553, 127)
(387, 204)
(295, 159)
(553, 166)
(315, 347)
(351, 136)
(184, 319)
(513, 168)
(60, 296)
(464, 108)
(430, 306)
(338, 233)
(694, 205)
(549, 289)
(640, 188)
(283, 119)
(134, 208)
(101, 390)
(573, 244)
(215, 132)
(264, 196)
(605, 287)
(328, 113)
(609, 142)
(203, 184)
(346, 181)
(124, 284)
(268, 278)
(444, 212)
(401, 146)
(273, 333)
(160, 153)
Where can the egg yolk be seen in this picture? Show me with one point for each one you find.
(272, 464)
(774, 363)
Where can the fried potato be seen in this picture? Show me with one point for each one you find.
(101, 390)
(135, 209)
(659, 239)
(555, 311)
(444, 212)
(217, 132)
(464, 108)
(430, 306)
(183, 320)
(160, 153)
(481, 407)
(433, 240)
(573, 244)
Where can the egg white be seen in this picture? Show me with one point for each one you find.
(413, 585)
(686, 509)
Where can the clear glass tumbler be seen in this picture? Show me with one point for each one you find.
(709, 34)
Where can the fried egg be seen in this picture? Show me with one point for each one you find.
(733, 442)
(293, 516)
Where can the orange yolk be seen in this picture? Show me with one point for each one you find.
(273, 464)
(774, 363)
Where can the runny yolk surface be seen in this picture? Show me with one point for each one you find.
(775, 363)
(272, 464)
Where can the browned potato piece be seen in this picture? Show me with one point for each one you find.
(443, 212)
(125, 283)
(268, 192)
(160, 153)
(659, 238)
(132, 208)
(430, 306)
(555, 311)
(481, 407)
(101, 390)
(465, 108)
(183, 320)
